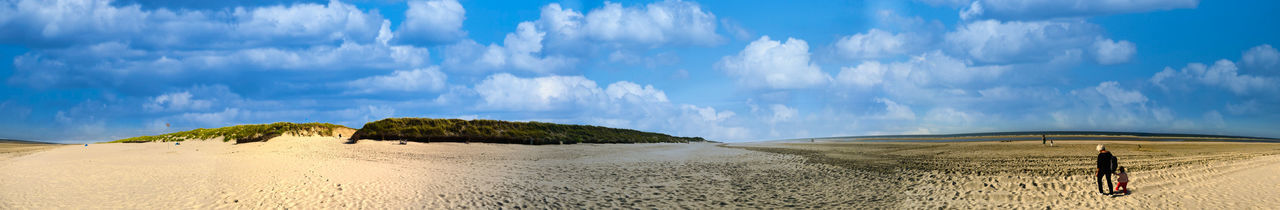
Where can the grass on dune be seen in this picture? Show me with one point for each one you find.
(242, 133)
(496, 131)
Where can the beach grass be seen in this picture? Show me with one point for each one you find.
(241, 133)
(497, 131)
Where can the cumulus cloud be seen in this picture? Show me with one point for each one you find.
(69, 23)
(561, 37)
(766, 63)
(1049, 9)
(931, 69)
(96, 44)
(122, 66)
(416, 80)
(432, 22)
(952, 119)
(782, 113)
(864, 75)
(506, 91)
(872, 44)
(1223, 74)
(176, 101)
(1264, 59)
(521, 50)
(895, 111)
(1117, 96)
(621, 104)
(1108, 105)
(659, 22)
(1018, 41)
(666, 22)
(1107, 52)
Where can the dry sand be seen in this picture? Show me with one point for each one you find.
(322, 172)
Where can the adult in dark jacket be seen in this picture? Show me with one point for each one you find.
(1106, 166)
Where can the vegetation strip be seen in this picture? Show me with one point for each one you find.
(242, 133)
(496, 131)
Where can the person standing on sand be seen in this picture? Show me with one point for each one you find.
(1106, 166)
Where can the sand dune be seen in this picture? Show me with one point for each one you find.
(323, 172)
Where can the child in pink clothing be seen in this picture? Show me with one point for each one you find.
(1123, 179)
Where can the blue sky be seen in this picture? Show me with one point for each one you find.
(79, 71)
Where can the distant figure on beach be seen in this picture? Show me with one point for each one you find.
(1043, 139)
(1106, 166)
(1122, 181)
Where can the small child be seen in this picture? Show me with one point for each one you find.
(1123, 179)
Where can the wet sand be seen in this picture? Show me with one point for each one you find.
(323, 172)
(11, 149)
(1031, 175)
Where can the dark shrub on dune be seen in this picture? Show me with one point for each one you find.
(496, 131)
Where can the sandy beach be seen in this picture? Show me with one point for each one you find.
(323, 172)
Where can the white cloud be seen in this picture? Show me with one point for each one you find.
(953, 119)
(928, 78)
(936, 67)
(782, 113)
(416, 80)
(1048, 9)
(1109, 106)
(1018, 41)
(658, 23)
(895, 111)
(1246, 107)
(561, 37)
(620, 104)
(66, 23)
(1107, 51)
(875, 43)
(1263, 59)
(634, 93)
(766, 63)
(508, 92)
(864, 75)
(670, 21)
(196, 98)
(431, 22)
(736, 29)
(1117, 96)
(521, 50)
(222, 118)
(176, 101)
(693, 120)
(1222, 74)
(124, 66)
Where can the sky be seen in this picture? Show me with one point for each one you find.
(98, 70)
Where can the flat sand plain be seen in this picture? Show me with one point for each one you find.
(323, 172)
